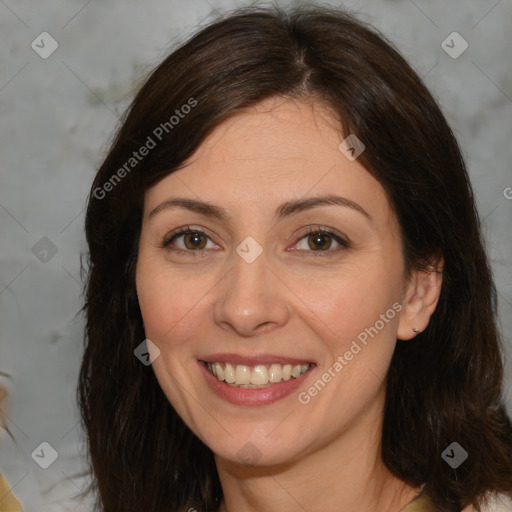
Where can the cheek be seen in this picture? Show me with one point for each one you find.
(169, 305)
(358, 316)
(353, 301)
(166, 300)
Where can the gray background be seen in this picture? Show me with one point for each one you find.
(58, 115)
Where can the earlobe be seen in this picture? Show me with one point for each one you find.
(420, 301)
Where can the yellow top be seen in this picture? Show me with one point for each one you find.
(421, 504)
(8, 502)
(494, 503)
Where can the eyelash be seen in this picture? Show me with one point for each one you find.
(201, 252)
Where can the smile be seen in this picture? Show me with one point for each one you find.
(258, 376)
(255, 380)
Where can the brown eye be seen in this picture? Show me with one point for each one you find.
(319, 241)
(186, 240)
(194, 240)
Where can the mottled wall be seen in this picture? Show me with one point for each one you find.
(57, 116)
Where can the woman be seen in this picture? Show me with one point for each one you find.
(288, 304)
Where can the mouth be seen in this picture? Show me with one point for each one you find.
(254, 381)
(258, 376)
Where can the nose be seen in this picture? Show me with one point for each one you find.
(251, 299)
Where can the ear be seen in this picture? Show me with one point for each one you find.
(420, 300)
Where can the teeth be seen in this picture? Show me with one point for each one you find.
(218, 371)
(296, 371)
(259, 375)
(229, 374)
(242, 374)
(275, 373)
(287, 371)
(256, 376)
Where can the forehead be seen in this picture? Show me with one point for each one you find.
(279, 135)
(281, 149)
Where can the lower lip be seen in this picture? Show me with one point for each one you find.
(252, 396)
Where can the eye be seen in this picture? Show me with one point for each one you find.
(191, 240)
(194, 240)
(321, 240)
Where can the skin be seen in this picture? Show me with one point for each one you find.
(294, 300)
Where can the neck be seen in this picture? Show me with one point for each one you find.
(346, 474)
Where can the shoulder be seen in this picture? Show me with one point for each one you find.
(496, 503)
(8, 500)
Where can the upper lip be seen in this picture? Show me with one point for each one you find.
(254, 359)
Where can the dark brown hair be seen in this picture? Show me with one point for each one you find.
(444, 386)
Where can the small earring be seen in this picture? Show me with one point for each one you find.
(415, 329)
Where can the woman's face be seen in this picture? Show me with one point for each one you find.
(266, 300)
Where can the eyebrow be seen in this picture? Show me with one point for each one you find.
(285, 210)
